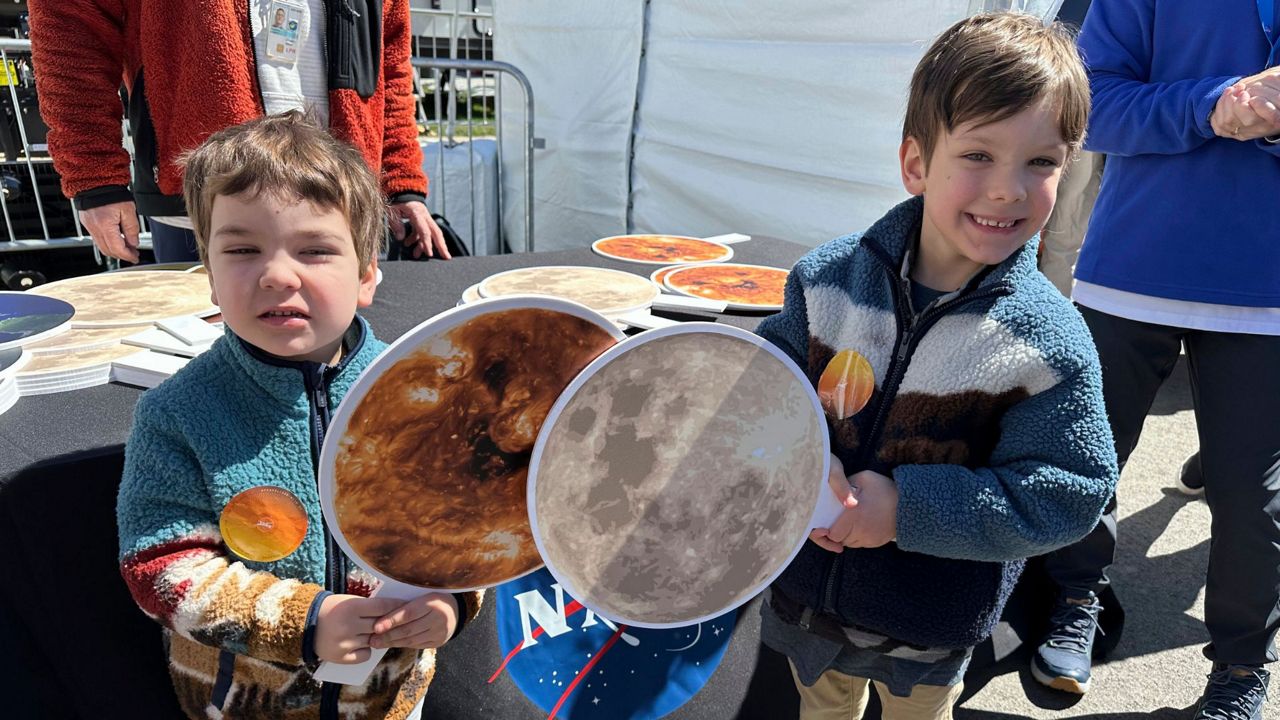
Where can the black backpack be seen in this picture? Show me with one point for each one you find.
(398, 251)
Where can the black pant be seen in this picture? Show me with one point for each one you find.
(1235, 385)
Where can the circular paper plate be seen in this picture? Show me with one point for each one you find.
(743, 287)
(62, 372)
(659, 276)
(8, 394)
(198, 270)
(678, 475)
(132, 298)
(471, 294)
(661, 249)
(12, 361)
(423, 472)
(27, 317)
(79, 339)
(609, 292)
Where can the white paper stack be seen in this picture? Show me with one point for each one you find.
(146, 369)
(11, 361)
(64, 372)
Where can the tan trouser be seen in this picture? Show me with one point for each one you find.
(837, 696)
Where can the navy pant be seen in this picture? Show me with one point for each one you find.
(1235, 385)
(172, 244)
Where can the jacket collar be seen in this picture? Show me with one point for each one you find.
(278, 377)
(892, 239)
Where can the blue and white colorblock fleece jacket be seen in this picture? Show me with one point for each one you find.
(240, 632)
(987, 412)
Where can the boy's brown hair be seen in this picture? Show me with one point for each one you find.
(990, 67)
(289, 156)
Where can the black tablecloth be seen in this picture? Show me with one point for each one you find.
(77, 646)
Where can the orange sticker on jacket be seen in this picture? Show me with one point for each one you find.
(263, 524)
(846, 385)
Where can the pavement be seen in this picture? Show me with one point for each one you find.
(1157, 671)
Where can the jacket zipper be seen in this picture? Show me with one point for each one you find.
(910, 330)
(335, 572)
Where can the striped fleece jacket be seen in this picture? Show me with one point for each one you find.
(987, 412)
(239, 632)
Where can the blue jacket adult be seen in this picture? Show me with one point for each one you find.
(987, 411)
(1182, 213)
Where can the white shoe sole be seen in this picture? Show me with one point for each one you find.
(1184, 488)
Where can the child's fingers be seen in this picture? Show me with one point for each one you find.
(840, 486)
(819, 538)
(395, 636)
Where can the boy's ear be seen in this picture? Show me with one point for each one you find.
(213, 292)
(368, 283)
(911, 162)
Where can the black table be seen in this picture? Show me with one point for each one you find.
(77, 646)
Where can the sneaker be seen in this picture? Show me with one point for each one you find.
(1234, 692)
(1190, 477)
(1064, 661)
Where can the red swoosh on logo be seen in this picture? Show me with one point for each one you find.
(569, 610)
(586, 669)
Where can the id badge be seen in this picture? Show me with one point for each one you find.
(284, 25)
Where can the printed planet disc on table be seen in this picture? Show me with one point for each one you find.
(608, 292)
(12, 361)
(79, 339)
(63, 372)
(263, 524)
(678, 475)
(423, 471)
(743, 287)
(132, 298)
(26, 318)
(659, 276)
(661, 249)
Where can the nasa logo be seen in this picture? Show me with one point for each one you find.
(576, 665)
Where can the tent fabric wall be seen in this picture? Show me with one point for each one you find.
(767, 118)
(582, 58)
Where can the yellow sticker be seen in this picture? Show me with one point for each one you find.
(263, 524)
(9, 73)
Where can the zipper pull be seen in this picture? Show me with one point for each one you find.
(351, 12)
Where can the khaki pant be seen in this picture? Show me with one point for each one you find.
(837, 696)
(1064, 234)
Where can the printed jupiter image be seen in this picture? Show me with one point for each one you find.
(431, 471)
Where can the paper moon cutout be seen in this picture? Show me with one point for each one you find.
(263, 524)
(846, 384)
(423, 473)
(677, 476)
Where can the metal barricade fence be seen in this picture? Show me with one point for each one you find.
(37, 217)
(488, 71)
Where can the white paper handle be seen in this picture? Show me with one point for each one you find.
(829, 508)
(358, 673)
(729, 238)
(685, 302)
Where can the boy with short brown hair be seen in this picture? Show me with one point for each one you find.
(982, 439)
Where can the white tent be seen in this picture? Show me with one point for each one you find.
(697, 117)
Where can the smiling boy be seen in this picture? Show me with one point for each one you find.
(985, 438)
(287, 220)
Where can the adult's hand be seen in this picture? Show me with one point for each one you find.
(114, 229)
(424, 235)
(1249, 109)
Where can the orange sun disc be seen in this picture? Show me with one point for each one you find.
(263, 524)
(846, 384)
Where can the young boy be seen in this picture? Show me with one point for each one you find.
(984, 439)
(287, 221)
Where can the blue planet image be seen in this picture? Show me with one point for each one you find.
(23, 316)
(8, 357)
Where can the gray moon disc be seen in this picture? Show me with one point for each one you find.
(678, 474)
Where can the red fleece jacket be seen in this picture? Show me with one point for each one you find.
(200, 77)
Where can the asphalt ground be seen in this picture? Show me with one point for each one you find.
(1157, 670)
